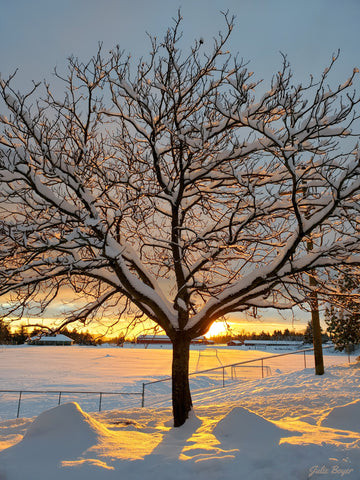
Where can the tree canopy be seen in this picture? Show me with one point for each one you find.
(181, 189)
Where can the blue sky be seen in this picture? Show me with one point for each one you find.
(37, 35)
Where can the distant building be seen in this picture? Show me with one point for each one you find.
(273, 343)
(153, 339)
(203, 341)
(235, 343)
(164, 339)
(50, 340)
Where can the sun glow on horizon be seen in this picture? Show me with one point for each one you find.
(217, 328)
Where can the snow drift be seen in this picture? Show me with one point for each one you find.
(346, 417)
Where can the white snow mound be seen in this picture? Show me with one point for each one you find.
(63, 421)
(345, 417)
(244, 428)
(63, 432)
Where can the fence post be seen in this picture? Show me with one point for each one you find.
(304, 359)
(100, 399)
(18, 410)
(143, 396)
(59, 398)
(262, 368)
(223, 376)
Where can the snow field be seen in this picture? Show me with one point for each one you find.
(112, 369)
(293, 425)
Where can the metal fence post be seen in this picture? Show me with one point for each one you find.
(18, 410)
(100, 399)
(143, 396)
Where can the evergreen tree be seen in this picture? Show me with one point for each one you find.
(5, 335)
(308, 335)
(19, 337)
(343, 316)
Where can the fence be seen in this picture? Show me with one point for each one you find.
(60, 394)
(262, 368)
(208, 352)
(250, 371)
(234, 369)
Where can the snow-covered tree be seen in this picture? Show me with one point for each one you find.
(182, 189)
(342, 315)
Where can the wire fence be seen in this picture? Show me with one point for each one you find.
(222, 375)
(239, 371)
(60, 397)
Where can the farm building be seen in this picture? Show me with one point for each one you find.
(153, 339)
(50, 340)
(273, 343)
(235, 343)
(164, 339)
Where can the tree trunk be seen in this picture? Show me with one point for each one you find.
(317, 339)
(315, 321)
(181, 396)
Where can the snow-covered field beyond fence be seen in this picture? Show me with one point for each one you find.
(111, 370)
(290, 425)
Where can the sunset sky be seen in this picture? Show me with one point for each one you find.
(37, 35)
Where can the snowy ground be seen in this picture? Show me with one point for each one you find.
(290, 425)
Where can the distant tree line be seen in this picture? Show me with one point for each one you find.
(19, 336)
(289, 335)
(81, 338)
(11, 338)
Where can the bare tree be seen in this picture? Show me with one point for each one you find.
(175, 189)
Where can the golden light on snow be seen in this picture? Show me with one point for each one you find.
(293, 423)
